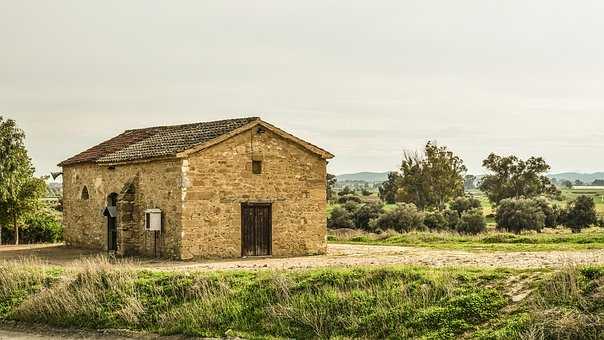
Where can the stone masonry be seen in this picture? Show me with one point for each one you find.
(200, 195)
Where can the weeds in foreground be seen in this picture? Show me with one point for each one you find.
(382, 302)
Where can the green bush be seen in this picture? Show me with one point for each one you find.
(551, 212)
(472, 222)
(452, 218)
(518, 214)
(405, 217)
(365, 213)
(41, 227)
(339, 218)
(462, 204)
(349, 198)
(580, 213)
(436, 221)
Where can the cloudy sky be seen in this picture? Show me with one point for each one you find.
(363, 79)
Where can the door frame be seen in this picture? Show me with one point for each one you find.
(270, 226)
(112, 224)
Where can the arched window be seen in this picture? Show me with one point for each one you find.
(85, 194)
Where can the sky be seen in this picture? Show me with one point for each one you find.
(363, 79)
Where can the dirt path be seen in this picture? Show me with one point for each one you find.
(364, 255)
(339, 255)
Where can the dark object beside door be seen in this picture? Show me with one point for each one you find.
(256, 229)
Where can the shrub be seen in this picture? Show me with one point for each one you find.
(462, 204)
(42, 227)
(436, 221)
(580, 213)
(367, 212)
(339, 218)
(349, 198)
(405, 217)
(452, 218)
(551, 212)
(517, 214)
(472, 222)
(351, 206)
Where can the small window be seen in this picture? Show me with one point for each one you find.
(256, 167)
(85, 194)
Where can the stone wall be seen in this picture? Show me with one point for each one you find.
(139, 186)
(219, 179)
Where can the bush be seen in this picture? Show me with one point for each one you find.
(349, 198)
(41, 227)
(405, 217)
(462, 204)
(339, 218)
(518, 214)
(580, 213)
(472, 222)
(436, 221)
(551, 212)
(452, 218)
(367, 212)
(351, 206)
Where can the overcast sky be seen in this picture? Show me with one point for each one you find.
(363, 79)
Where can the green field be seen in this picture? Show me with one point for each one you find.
(380, 302)
(552, 239)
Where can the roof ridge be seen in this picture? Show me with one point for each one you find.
(193, 124)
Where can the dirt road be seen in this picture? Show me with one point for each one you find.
(339, 255)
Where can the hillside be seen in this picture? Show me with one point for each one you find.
(364, 176)
(382, 176)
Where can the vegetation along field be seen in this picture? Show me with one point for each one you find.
(395, 302)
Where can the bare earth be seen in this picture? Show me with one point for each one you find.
(338, 255)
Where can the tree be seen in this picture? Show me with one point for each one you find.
(580, 213)
(469, 182)
(331, 181)
(367, 212)
(387, 190)
(512, 177)
(339, 218)
(598, 183)
(346, 191)
(579, 183)
(566, 184)
(472, 222)
(432, 178)
(20, 191)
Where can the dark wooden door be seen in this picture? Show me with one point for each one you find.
(256, 229)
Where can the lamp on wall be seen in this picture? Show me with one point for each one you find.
(56, 174)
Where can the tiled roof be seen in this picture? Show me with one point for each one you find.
(156, 142)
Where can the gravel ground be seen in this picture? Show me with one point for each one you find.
(339, 255)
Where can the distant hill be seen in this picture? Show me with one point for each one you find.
(383, 176)
(573, 176)
(364, 176)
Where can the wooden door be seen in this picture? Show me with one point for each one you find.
(256, 229)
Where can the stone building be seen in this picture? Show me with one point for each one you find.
(229, 188)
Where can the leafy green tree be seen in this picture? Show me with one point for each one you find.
(387, 190)
(331, 181)
(20, 191)
(512, 177)
(598, 183)
(580, 213)
(432, 178)
(346, 191)
(566, 184)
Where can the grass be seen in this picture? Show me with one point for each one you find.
(551, 239)
(380, 302)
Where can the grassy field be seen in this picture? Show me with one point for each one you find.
(380, 302)
(551, 239)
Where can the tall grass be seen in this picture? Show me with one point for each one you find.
(382, 302)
